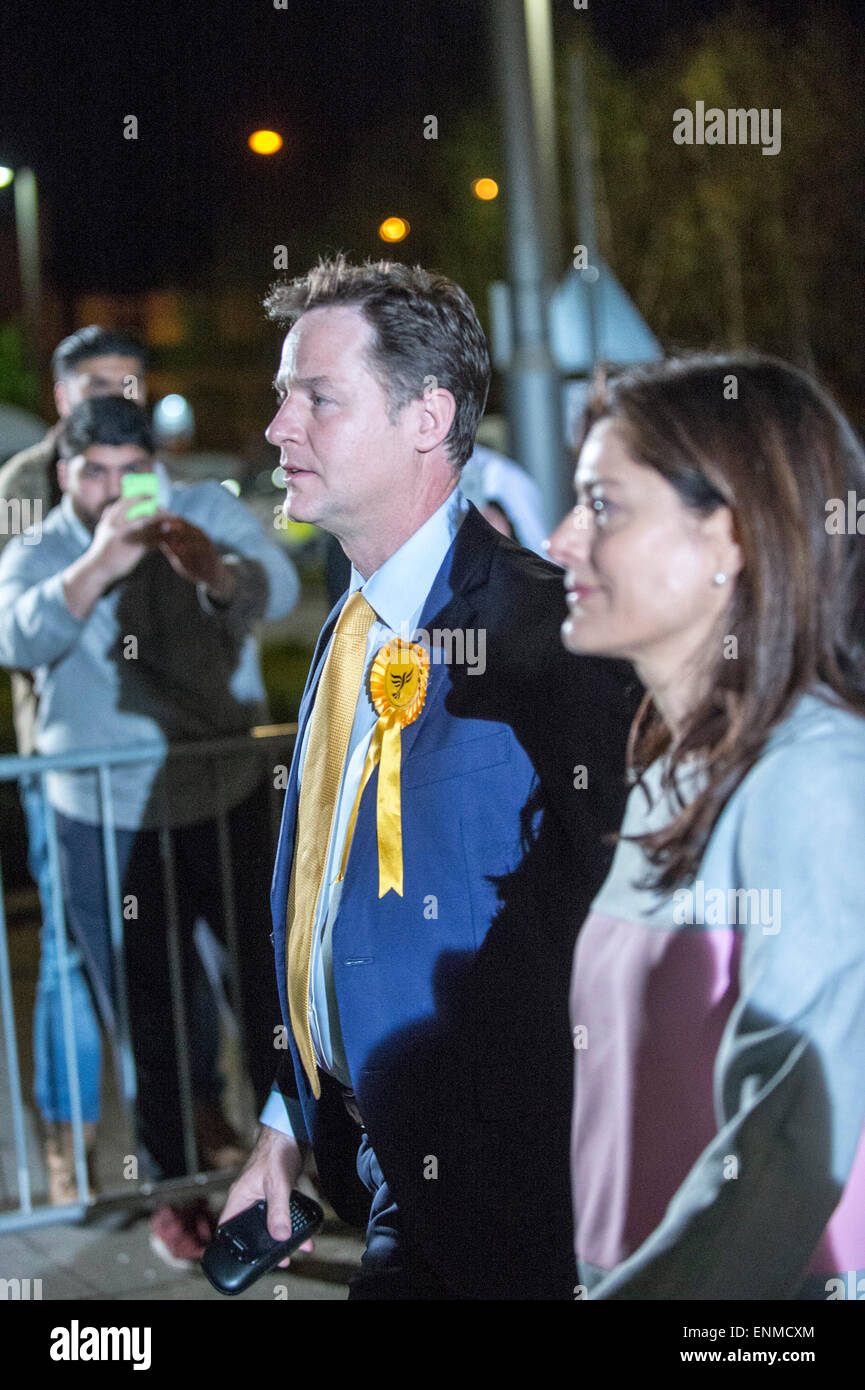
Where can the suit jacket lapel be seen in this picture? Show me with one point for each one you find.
(449, 605)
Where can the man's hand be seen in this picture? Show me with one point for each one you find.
(271, 1171)
(118, 543)
(194, 556)
(117, 546)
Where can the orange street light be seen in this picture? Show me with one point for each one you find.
(265, 142)
(485, 189)
(394, 229)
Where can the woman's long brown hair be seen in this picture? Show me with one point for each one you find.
(761, 437)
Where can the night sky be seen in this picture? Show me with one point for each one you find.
(346, 82)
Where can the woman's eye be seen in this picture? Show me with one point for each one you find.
(600, 506)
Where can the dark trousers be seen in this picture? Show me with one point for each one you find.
(390, 1268)
(198, 878)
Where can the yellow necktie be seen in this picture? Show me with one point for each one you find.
(329, 732)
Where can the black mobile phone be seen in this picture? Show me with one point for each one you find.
(243, 1249)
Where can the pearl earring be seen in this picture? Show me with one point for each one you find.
(720, 577)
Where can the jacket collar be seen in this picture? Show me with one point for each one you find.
(465, 568)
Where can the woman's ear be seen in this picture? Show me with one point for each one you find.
(722, 533)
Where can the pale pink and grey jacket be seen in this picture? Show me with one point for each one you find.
(719, 1036)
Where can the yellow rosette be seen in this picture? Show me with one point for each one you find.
(397, 687)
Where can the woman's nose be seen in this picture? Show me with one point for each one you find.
(571, 539)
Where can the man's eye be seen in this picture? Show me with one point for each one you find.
(317, 399)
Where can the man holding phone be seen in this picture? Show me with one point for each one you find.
(91, 481)
(138, 629)
(92, 361)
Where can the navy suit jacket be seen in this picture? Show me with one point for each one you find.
(453, 999)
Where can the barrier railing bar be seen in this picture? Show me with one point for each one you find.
(73, 1080)
(123, 1037)
(11, 1042)
(178, 1003)
(13, 765)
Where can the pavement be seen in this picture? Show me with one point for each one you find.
(111, 1259)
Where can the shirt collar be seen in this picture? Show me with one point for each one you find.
(399, 588)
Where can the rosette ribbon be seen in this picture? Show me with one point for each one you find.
(397, 687)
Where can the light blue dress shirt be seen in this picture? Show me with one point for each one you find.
(397, 592)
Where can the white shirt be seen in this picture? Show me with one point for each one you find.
(397, 592)
(491, 477)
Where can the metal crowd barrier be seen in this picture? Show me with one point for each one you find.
(260, 744)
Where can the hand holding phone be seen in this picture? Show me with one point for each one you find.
(243, 1249)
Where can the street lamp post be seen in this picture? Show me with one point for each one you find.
(533, 380)
(27, 233)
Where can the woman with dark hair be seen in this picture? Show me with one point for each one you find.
(718, 992)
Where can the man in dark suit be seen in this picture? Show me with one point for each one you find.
(443, 828)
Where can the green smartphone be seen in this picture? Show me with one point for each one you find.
(142, 485)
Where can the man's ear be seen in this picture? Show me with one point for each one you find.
(61, 398)
(436, 410)
(63, 474)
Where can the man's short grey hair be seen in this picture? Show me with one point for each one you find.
(426, 334)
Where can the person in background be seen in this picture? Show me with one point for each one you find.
(718, 994)
(507, 496)
(93, 361)
(140, 631)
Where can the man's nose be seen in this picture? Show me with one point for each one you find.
(285, 424)
(571, 541)
(113, 485)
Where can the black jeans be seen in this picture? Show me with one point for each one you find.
(198, 878)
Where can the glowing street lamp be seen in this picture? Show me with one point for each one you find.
(6, 176)
(265, 142)
(394, 229)
(485, 189)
